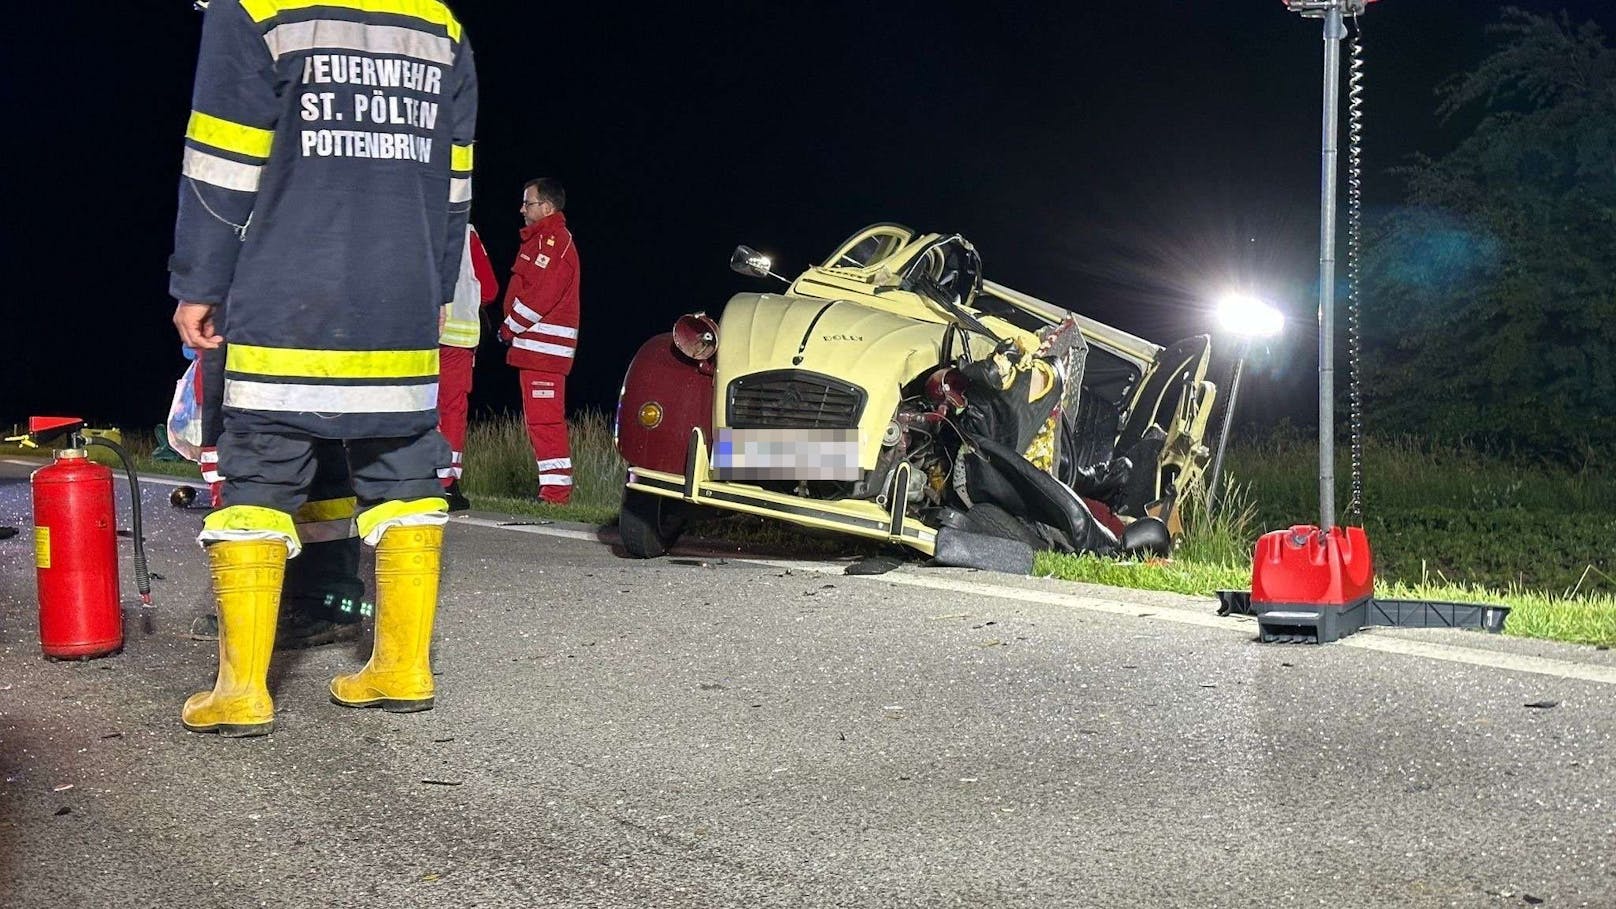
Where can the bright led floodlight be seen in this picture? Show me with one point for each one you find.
(1249, 317)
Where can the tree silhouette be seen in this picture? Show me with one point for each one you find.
(1491, 294)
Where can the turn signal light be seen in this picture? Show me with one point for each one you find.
(650, 414)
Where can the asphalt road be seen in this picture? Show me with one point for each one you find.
(712, 731)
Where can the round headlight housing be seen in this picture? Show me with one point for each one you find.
(696, 336)
(946, 385)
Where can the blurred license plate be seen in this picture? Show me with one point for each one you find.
(786, 454)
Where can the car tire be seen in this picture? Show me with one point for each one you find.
(649, 524)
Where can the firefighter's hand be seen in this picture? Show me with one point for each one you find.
(195, 324)
(505, 336)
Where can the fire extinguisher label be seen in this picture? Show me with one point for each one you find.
(41, 547)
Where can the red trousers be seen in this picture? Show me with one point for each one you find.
(544, 408)
(454, 384)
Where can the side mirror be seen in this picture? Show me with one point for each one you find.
(748, 261)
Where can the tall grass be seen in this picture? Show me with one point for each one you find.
(1455, 514)
(1215, 554)
(1441, 522)
(500, 472)
(1284, 466)
(1223, 534)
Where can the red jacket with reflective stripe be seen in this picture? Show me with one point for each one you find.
(541, 302)
(487, 281)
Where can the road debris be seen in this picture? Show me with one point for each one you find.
(873, 565)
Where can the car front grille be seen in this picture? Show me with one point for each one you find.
(793, 399)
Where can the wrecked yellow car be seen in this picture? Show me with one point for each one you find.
(892, 393)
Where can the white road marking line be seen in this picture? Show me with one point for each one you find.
(1243, 624)
(120, 480)
(546, 530)
(1246, 625)
(1519, 662)
(166, 481)
(1605, 675)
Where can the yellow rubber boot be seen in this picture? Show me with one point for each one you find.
(398, 677)
(247, 576)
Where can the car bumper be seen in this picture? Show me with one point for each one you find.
(856, 517)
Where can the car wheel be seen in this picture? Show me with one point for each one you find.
(649, 524)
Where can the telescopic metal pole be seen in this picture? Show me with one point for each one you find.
(1334, 30)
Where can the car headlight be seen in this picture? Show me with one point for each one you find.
(696, 336)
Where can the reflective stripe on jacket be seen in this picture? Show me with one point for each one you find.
(476, 287)
(541, 303)
(326, 182)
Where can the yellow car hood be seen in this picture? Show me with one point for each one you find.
(877, 351)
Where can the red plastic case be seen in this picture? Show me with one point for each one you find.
(1310, 586)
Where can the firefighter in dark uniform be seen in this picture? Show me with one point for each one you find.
(326, 181)
(323, 596)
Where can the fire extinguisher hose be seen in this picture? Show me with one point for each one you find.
(142, 573)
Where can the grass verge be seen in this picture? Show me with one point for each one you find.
(1587, 619)
(1215, 554)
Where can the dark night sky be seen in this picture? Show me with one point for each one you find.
(1128, 160)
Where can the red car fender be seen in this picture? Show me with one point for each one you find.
(682, 389)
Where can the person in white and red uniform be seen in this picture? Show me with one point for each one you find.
(541, 327)
(476, 287)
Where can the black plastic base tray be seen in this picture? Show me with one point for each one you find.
(1437, 614)
(1315, 624)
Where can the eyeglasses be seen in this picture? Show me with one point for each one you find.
(526, 203)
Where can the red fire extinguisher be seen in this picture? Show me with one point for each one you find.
(76, 555)
(76, 544)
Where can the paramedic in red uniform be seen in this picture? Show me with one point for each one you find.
(541, 327)
(457, 354)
